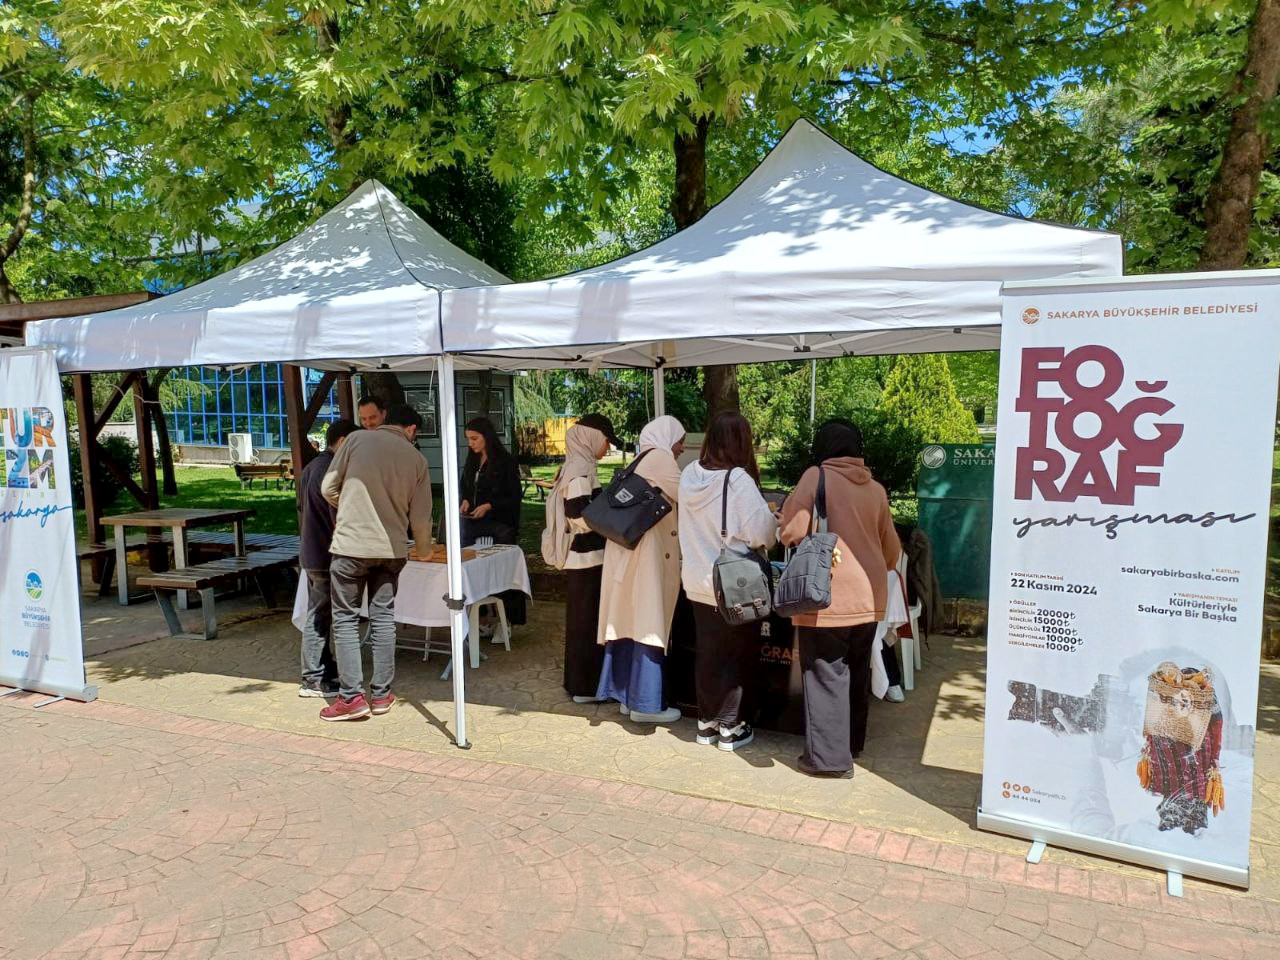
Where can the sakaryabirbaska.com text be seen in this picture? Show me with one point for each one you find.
(1170, 573)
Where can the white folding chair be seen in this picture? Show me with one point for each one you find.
(502, 633)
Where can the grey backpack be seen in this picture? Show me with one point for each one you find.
(805, 584)
(743, 583)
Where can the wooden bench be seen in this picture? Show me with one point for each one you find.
(204, 577)
(105, 554)
(527, 479)
(281, 472)
(223, 541)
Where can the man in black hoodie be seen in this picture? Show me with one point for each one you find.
(315, 521)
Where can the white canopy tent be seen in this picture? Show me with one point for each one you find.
(360, 285)
(816, 254)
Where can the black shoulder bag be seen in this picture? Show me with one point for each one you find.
(628, 508)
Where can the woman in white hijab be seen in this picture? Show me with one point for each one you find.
(568, 544)
(639, 590)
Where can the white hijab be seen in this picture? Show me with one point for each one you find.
(660, 434)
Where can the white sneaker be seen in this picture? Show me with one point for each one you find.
(622, 709)
(669, 715)
(708, 732)
(895, 694)
(587, 700)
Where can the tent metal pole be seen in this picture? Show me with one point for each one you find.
(453, 546)
(813, 392)
(659, 393)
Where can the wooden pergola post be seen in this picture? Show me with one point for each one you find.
(293, 406)
(157, 552)
(82, 388)
(345, 386)
(302, 413)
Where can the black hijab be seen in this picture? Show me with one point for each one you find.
(837, 438)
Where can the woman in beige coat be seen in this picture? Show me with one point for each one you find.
(639, 590)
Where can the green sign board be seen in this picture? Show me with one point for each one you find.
(955, 512)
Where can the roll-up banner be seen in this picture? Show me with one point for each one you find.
(41, 646)
(1134, 450)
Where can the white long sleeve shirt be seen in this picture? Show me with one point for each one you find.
(750, 524)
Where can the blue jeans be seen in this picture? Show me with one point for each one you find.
(317, 658)
(349, 578)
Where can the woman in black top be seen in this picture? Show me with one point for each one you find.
(490, 487)
(491, 498)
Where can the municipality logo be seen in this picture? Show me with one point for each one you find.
(34, 585)
(933, 456)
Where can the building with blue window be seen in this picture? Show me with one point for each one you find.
(251, 400)
(248, 400)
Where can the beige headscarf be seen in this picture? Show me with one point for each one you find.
(583, 447)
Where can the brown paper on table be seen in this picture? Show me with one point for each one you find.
(438, 554)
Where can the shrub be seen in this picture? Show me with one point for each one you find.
(123, 451)
(890, 452)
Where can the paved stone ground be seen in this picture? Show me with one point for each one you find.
(919, 774)
(129, 832)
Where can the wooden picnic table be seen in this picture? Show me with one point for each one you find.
(179, 520)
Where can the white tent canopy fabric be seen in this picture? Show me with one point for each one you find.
(817, 253)
(361, 283)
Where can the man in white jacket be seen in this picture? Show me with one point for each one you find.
(727, 656)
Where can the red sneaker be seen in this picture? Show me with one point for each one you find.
(382, 705)
(357, 708)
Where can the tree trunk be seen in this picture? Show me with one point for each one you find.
(719, 383)
(7, 292)
(27, 206)
(336, 115)
(169, 479)
(1228, 213)
(383, 385)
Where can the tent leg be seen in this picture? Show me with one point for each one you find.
(659, 393)
(453, 541)
(813, 393)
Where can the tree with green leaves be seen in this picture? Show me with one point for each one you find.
(920, 394)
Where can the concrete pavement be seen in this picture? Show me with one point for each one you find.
(133, 832)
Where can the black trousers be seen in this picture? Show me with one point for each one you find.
(583, 657)
(836, 667)
(724, 667)
(891, 666)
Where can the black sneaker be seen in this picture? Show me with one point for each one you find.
(735, 738)
(317, 688)
(708, 732)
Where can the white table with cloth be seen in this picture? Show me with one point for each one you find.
(423, 585)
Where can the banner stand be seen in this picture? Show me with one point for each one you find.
(1112, 850)
(84, 694)
(1131, 510)
(41, 636)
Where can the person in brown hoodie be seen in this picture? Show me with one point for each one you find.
(835, 643)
